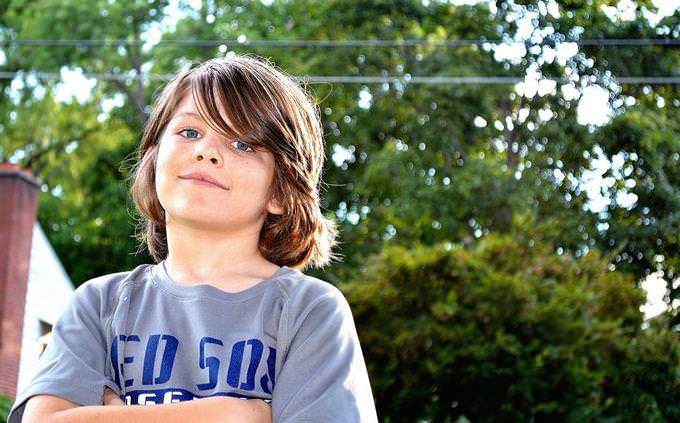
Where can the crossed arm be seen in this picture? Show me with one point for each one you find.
(53, 409)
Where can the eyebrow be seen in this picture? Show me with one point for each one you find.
(190, 114)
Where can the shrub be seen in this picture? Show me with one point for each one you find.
(509, 331)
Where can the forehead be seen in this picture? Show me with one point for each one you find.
(187, 105)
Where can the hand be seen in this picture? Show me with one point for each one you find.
(111, 398)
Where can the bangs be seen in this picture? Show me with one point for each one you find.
(220, 93)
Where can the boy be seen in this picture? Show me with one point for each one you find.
(228, 184)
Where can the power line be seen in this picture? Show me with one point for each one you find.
(654, 80)
(470, 80)
(338, 43)
(101, 76)
(406, 80)
(628, 42)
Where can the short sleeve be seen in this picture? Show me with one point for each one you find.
(323, 377)
(73, 364)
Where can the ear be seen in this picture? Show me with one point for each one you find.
(274, 206)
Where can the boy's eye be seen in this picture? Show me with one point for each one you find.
(240, 145)
(189, 133)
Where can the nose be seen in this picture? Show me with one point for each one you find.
(207, 149)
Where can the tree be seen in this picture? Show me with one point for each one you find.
(5, 404)
(506, 330)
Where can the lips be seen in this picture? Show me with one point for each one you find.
(203, 177)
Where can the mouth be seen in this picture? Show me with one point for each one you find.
(203, 182)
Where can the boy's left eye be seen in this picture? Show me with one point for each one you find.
(240, 145)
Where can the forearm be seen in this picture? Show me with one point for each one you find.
(213, 409)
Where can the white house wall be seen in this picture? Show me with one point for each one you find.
(49, 290)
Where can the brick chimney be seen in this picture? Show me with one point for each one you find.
(19, 193)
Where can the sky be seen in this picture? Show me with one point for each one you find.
(593, 105)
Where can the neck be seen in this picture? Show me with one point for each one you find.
(228, 260)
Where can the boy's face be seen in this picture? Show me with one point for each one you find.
(189, 145)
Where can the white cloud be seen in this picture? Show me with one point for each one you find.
(665, 8)
(510, 52)
(593, 107)
(569, 92)
(74, 84)
(591, 181)
(479, 122)
(365, 98)
(546, 86)
(655, 286)
(564, 51)
(342, 154)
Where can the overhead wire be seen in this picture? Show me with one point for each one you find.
(408, 79)
(342, 43)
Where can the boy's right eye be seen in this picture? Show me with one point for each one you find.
(189, 133)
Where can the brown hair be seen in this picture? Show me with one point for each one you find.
(267, 109)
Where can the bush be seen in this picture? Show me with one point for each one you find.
(509, 331)
(5, 405)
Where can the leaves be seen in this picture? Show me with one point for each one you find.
(509, 332)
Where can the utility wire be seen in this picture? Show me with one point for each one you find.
(432, 80)
(340, 43)
(479, 80)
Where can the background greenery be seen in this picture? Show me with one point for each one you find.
(5, 404)
(484, 287)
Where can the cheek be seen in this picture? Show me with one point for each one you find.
(256, 176)
(168, 152)
(160, 168)
(262, 172)
(163, 169)
(163, 152)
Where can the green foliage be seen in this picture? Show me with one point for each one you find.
(645, 137)
(5, 405)
(508, 331)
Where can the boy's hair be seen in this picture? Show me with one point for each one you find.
(266, 109)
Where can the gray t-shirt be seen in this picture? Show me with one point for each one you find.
(289, 339)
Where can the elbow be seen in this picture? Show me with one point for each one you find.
(41, 417)
(45, 409)
(34, 416)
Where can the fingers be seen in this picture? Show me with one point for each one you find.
(111, 398)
